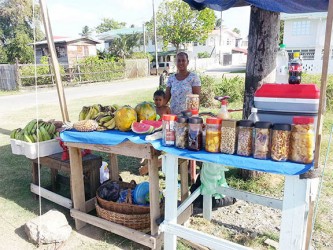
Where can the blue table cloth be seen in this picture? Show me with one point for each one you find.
(115, 137)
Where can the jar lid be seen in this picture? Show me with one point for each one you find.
(168, 117)
(263, 125)
(282, 126)
(303, 120)
(245, 123)
(195, 120)
(182, 119)
(213, 120)
(186, 113)
(194, 112)
(254, 110)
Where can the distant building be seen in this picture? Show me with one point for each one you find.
(305, 33)
(69, 50)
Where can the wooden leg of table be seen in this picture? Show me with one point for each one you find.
(183, 180)
(54, 175)
(171, 197)
(114, 170)
(93, 181)
(34, 173)
(155, 212)
(77, 184)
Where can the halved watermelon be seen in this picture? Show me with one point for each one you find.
(156, 124)
(141, 128)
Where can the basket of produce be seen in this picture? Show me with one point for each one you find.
(116, 196)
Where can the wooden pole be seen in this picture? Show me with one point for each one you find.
(54, 60)
(323, 85)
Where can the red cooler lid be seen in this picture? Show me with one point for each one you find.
(304, 91)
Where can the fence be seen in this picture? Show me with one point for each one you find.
(13, 76)
(7, 77)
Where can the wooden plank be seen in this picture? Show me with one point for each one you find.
(90, 205)
(113, 168)
(183, 169)
(56, 198)
(126, 148)
(154, 194)
(77, 185)
(185, 215)
(131, 234)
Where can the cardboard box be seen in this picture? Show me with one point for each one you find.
(30, 150)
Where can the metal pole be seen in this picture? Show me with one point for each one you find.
(155, 37)
(220, 43)
(144, 37)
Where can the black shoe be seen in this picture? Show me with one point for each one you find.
(226, 201)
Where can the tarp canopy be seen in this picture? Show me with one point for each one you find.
(286, 6)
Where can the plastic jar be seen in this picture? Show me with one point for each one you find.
(192, 102)
(228, 136)
(195, 133)
(262, 139)
(181, 132)
(280, 141)
(302, 139)
(168, 132)
(195, 112)
(186, 113)
(244, 137)
(213, 134)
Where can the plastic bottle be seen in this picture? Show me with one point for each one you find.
(223, 113)
(282, 60)
(254, 115)
(295, 70)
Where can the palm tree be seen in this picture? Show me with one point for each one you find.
(86, 31)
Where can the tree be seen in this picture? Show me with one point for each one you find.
(123, 45)
(16, 30)
(236, 30)
(86, 31)
(178, 24)
(281, 31)
(263, 41)
(109, 24)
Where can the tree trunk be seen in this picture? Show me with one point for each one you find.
(260, 67)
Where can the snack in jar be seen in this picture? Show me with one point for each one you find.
(302, 139)
(192, 102)
(280, 141)
(228, 136)
(213, 134)
(195, 133)
(244, 137)
(262, 138)
(168, 132)
(181, 132)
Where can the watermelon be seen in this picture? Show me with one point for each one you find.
(141, 128)
(156, 124)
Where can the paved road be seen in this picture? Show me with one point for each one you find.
(50, 96)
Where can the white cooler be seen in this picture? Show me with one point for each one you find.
(279, 103)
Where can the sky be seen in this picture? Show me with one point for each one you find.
(68, 17)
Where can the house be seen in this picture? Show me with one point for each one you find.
(305, 33)
(69, 50)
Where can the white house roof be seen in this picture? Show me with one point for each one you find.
(314, 15)
(62, 39)
(114, 33)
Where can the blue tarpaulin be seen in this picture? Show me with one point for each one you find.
(285, 6)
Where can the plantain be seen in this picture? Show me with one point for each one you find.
(45, 134)
(30, 125)
(105, 119)
(27, 137)
(83, 113)
(110, 124)
(13, 133)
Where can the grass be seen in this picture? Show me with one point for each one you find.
(17, 205)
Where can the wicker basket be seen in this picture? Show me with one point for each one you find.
(123, 208)
(135, 221)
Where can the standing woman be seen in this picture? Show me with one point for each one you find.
(181, 84)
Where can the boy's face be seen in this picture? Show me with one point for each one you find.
(158, 100)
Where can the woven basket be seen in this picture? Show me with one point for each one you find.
(135, 221)
(123, 208)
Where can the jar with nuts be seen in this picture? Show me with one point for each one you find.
(192, 102)
(244, 137)
(262, 139)
(181, 132)
(228, 136)
(213, 134)
(280, 141)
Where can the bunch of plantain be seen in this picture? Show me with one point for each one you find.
(36, 131)
(103, 115)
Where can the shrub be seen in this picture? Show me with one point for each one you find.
(231, 86)
(203, 55)
(141, 55)
(208, 89)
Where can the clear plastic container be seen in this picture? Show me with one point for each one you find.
(254, 115)
(168, 137)
(228, 136)
(213, 134)
(302, 139)
(192, 102)
(181, 132)
(280, 141)
(195, 133)
(282, 60)
(262, 139)
(244, 137)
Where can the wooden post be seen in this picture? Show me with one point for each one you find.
(17, 74)
(54, 60)
(323, 85)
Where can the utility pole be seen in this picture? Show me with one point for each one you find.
(144, 37)
(155, 37)
(220, 43)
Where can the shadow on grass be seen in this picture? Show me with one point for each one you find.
(5, 131)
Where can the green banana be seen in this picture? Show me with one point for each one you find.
(105, 119)
(27, 137)
(45, 134)
(51, 129)
(13, 134)
(39, 135)
(30, 125)
(83, 113)
(110, 124)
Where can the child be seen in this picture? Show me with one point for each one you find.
(159, 101)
